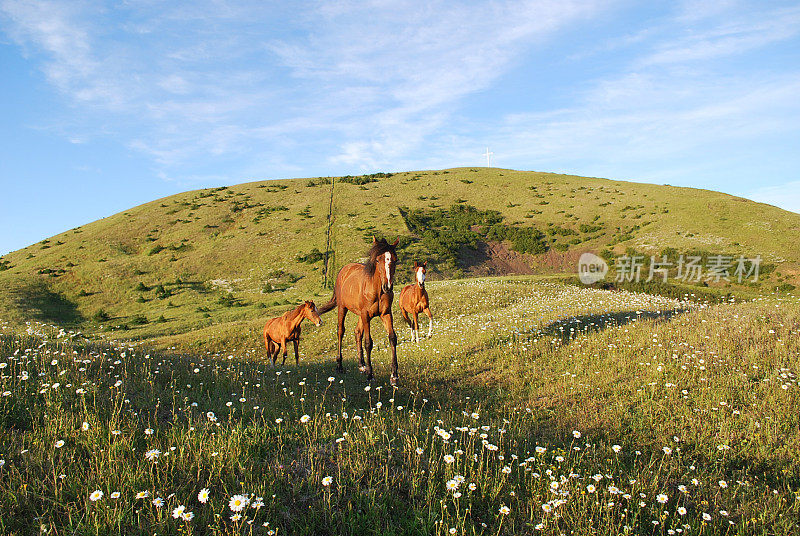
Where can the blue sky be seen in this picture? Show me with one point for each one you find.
(107, 105)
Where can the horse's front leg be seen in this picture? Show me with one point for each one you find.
(363, 323)
(416, 326)
(388, 323)
(297, 351)
(427, 311)
(360, 345)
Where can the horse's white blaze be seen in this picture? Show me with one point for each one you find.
(420, 276)
(388, 261)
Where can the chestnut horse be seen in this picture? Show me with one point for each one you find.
(414, 300)
(283, 329)
(366, 291)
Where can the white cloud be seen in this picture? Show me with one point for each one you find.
(376, 78)
(740, 34)
(379, 85)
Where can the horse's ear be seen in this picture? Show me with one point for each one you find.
(396, 242)
(415, 264)
(425, 264)
(374, 240)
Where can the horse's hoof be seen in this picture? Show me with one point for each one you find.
(362, 368)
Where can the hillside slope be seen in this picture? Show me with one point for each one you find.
(246, 251)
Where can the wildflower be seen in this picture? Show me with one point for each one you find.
(576, 434)
(148, 431)
(706, 516)
(85, 426)
(419, 451)
(210, 416)
(505, 510)
(681, 510)
(667, 450)
(178, 511)
(305, 418)
(152, 454)
(590, 488)
(547, 508)
(662, 498)
(187, 516)
(327, 481)
(451, 485)
(540, 450)
(472, 486)
(143, 495)
(723, 484)
(96, 495)
(114, 495)
(507, 469)
(616, 449)
(449, 458)
(238, 502)
(236, 517)
(331, 378)
(682, 488)
(278, 420)
(203, 495)
(158, 502)
(59, 443)
(723, 513)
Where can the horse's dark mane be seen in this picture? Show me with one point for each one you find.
(378, 248)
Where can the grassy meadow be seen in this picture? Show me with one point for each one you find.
(534, 408)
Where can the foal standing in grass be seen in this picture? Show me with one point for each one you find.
(283, 329)
(414, 300)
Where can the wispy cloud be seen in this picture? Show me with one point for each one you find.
(272, 87)
(367, 81)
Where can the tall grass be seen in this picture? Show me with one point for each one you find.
(534, 409)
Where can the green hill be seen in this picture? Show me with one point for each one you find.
(241, 252)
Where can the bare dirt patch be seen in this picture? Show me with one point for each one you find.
(497, 258)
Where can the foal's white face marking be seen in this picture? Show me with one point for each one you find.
(388, 261)
(420, 275)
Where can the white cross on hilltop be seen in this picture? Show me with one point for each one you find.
(488, 156)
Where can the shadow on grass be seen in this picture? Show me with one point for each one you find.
(38, 302)
(567, 329)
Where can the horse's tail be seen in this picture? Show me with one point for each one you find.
(328, 306)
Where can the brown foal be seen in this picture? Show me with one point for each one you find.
(414, 300)
(283, 329)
